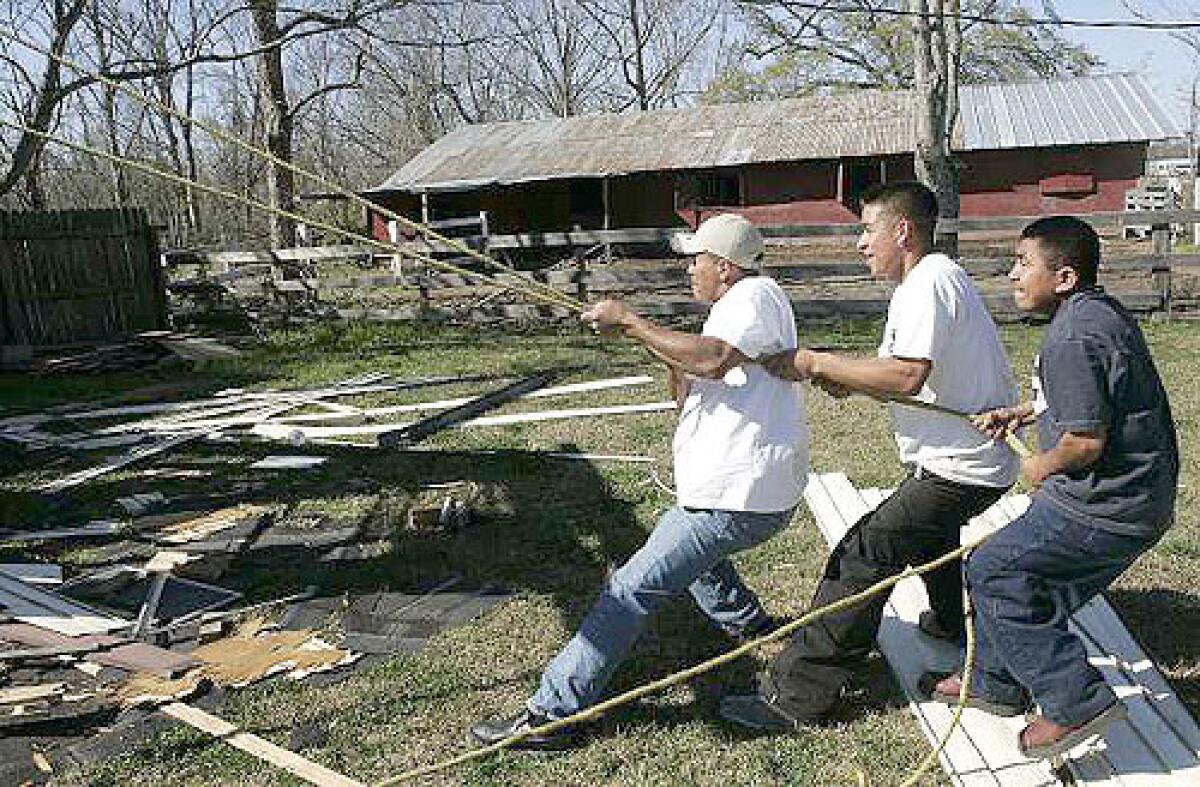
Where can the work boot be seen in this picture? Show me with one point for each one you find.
(490, 731)
(758, 713)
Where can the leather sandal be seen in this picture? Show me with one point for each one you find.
(944, 687)
(1043, 739)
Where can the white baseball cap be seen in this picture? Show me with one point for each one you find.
(727, 235)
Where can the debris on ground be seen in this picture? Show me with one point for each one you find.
(139, 589)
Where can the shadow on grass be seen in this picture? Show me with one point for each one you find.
(1164, 622)
(554, 530)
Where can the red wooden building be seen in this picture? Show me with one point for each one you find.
(1063, 146)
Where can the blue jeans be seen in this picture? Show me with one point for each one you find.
(688, 550)
(1025, 581)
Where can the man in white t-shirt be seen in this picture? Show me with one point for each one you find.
(741, 462)
(940, 345)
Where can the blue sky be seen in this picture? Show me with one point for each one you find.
(1168, 65)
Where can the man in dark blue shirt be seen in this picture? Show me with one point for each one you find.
(1104, 481)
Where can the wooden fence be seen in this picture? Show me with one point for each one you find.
(78, 276)
(1143, 283)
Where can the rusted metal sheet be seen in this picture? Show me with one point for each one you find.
(1075, 111)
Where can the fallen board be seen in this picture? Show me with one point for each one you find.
(1158, 745)
(298, 434)
(264, 750)
(31, 604)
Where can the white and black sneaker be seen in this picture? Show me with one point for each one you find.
(492, 731)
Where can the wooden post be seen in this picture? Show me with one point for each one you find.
(1161, 272)
(581, 272)
(423, 289)
(607, 217)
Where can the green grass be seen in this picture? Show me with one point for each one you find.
(549, 532)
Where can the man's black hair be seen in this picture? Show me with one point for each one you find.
(906, 200)
(1068, 242)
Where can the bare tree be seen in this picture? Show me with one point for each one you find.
(937, 47)
(44, 95)
(654, 42)
(868, 43)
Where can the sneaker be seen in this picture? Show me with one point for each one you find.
(758, 713)
(759, 628)
(1042, 739)
(945, 687)
(931, 626)
(491, 731)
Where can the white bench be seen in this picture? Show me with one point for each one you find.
(1159, 744)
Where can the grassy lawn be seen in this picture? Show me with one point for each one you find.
(550, 530)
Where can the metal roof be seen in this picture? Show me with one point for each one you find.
(1076, 111)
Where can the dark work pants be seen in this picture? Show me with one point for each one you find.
(919, 522)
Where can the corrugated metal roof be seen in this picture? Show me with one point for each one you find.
(1076, 111)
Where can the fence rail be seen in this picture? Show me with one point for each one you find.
(279, 275)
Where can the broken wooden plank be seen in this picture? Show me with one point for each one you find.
(298, 434)
(46, 574)
(199, 527)
(253, 745)
(414, 433)
(99, 528)
(379, 412)
(30, 604)
(280, 462)
(43, 692)
(83, 476)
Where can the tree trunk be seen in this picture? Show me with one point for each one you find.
(26, 156)
(937, 46)
(109, 110)
(639, 58)
(278, 120)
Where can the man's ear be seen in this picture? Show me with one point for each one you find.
(1066, 280)
(728, 271)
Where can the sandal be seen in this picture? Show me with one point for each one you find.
(1043, 739)
(944, 687)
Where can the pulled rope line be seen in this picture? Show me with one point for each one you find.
(963, 693)
(563, 302)
(426, 231)
(590, 713)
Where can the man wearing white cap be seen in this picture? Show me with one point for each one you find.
(741, 461)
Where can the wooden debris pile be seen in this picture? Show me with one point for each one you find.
(151, 348)
(139, 619)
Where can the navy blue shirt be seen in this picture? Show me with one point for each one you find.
(1095, 371)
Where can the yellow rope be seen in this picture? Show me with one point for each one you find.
(217, 133)
(963, 693)
(538, 291)
(699, 669)
(179, 179)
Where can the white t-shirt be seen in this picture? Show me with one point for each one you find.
(745, 447)
(936, 314)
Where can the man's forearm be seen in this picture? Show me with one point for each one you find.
(884, 377)
(702, 356)
(1074, 451)
(678, 385)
